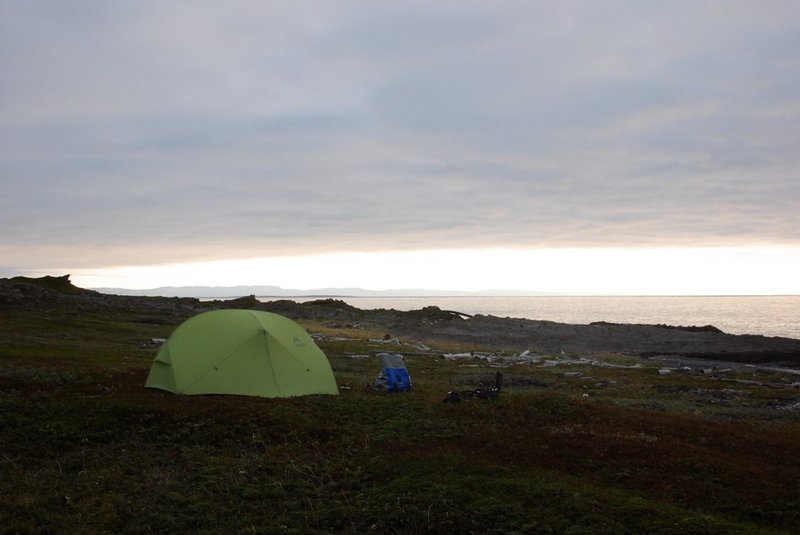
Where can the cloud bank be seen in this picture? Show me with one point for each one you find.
(149, 132)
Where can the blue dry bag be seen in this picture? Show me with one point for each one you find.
(394, 375)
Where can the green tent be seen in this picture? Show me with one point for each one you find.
(243, 352)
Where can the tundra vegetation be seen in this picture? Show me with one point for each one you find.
(571, 445)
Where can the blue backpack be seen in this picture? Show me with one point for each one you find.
(394, 375)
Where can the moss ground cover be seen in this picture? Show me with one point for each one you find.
(84, 448)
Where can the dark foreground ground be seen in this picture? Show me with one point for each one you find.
(601, 440)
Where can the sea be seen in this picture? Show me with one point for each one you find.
(764, 315)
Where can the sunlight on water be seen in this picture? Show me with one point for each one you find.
(767, 315)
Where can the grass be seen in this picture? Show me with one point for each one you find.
(84, 448)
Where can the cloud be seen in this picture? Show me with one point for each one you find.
(148, 132)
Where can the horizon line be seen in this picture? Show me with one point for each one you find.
(433, 293)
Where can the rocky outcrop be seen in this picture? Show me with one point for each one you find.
(60, 284)
(644, 340)
(58, 294)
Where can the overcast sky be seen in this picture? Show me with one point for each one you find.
(136, 132)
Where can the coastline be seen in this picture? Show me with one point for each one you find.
(574, 440)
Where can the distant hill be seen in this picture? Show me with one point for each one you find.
(276, 291)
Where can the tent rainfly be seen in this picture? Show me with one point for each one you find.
(244, 352)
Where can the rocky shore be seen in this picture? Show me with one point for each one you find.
(57, 294)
